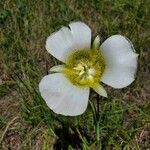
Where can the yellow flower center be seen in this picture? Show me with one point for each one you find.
(85, 67)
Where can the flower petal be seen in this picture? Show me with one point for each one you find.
(121, 61)
(64, 41)
(63, 97)
(81, 34)
(100, 90)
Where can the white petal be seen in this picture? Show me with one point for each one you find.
(63, 97)
(121, 61)
(100, 90)
(81, 34)
(64, 41)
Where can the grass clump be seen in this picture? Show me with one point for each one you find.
(123, 118)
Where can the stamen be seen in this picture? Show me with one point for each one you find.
(85, 67)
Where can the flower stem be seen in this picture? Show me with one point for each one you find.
(96, 119)
(97, 132)
(98, 125)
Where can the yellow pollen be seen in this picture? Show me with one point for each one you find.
(85, 67)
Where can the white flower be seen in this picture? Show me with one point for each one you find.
(114, 63)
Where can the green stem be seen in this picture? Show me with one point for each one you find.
(96, 118)
(98, 125)
(97, 132)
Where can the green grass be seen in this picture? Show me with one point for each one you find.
(124, 116)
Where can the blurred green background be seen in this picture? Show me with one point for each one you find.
(25, 120)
